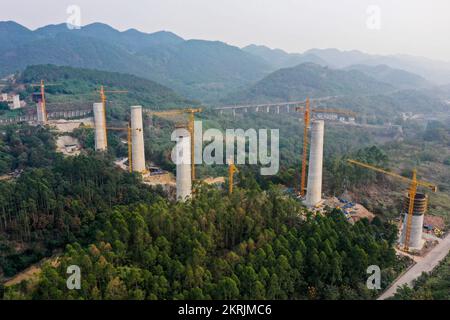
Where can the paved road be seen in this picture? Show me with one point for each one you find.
(427, 264)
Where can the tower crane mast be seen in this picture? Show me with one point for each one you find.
(307, 112)
(191, 112)
(130, 146)
(42, 86)
(231, 171)
(102, 93)
(414, 183)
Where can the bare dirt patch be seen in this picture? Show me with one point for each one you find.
(68, 145)
(32, 272)
(70, 125)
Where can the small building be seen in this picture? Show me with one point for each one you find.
(71, 148)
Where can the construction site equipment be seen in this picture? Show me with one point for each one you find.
(128, 130)
(307, 112)
(414, 183)
(231, 171)
(307, 119)
(102, 93)
(438, 232)
(130, 147)
(190, 126)
(42, 111)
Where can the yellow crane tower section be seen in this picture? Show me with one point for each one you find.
(307, 112)
(102, 93)
(191, 112)
(42, 86)
(130, 146)
(414, 183)
(231, 171)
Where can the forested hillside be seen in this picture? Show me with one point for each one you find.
(74, 85)
(195, 68)
(249, 246)
(57, 201)
(395, 77)
(310, 80)
(131, 243)
(374, 94)
(25, 147)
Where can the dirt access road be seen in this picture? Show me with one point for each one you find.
(427, 264)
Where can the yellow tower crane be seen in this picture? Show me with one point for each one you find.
(414, 183)
(191, 112)
(231, 171)
(307, 119)
(130, 146)
(42, 86)
(102, 93)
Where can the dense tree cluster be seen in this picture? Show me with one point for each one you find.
(25, 146)
(252, 245)
(45, 208)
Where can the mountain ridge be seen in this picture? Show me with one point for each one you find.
(310, 80)
(433, 71)
(195, 68)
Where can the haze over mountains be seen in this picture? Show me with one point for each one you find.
(434, 71)
(212, 70)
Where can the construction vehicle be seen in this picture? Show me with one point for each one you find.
(414, 183)
(102, 93)
(190, 126)
(231, 171)
(307, 111)
(438, 232)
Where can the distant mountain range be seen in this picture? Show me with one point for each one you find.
(437, 72)
(278, 58)
(212, 70)
(355, 88)
(195, 68)
(395, 77)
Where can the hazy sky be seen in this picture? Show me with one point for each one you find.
(418, 27)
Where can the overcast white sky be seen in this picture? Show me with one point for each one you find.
(417, 27)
